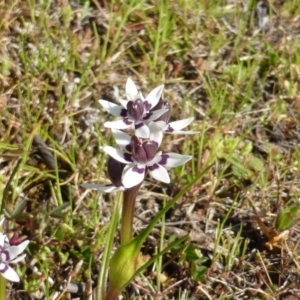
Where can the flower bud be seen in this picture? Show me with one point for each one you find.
(163, 104)
(115, 169)
(124, 264)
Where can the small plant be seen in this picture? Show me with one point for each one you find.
(195, 259)
(129, 164)
(278, 232)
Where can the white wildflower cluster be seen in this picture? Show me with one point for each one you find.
(139, 153)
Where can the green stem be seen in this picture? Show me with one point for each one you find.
(103, 273)
(128, 214)
(128, 207)
(2, 287)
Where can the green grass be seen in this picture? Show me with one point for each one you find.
(241, 85)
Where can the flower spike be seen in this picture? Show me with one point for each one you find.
(140, 153)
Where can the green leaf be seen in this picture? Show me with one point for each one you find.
(198, 272)
(287, 218)
(254, 163)
(17, 213)
(191, 253)
(60, 234)
(63, 257)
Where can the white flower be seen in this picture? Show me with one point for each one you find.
(176, 126)
(140, 156)
(136, 110)
(172, 127)
(10, 254)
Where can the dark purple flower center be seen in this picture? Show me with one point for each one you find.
(136, 109)
(144, 151)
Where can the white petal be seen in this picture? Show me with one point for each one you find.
(123, 103)
(115, 153)
(119, 124)
(1, 222)
(9, 273)
(114, 189)
(153, 115)
(156, 133)
(17, 259)
(154, 96)
(122, 138)
(159, 173)
(175, 127)
(112, 108)
(172, 160)
(131, 90)
(140, 96)
(133, 175)
(142, 131)
(178, 125)
(16, 250)
(105, 188)
(182, 132)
